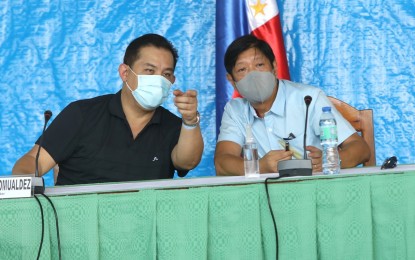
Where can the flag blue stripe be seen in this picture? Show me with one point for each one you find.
(231, 22)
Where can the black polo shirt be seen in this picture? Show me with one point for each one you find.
(93, 143)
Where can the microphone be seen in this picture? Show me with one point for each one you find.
(38, 182)
(307, 100)
(298, 167)
(48, 115)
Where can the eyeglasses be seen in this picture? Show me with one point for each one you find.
(389, 163)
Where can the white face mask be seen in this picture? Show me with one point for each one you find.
(151, 91)
(257, 86)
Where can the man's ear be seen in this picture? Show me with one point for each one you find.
(123, 71)
(231, 80)
(274, 64)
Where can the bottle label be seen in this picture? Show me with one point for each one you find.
(328, 132)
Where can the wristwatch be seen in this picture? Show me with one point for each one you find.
(188, 126)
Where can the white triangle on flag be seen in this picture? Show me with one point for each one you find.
(260, 11)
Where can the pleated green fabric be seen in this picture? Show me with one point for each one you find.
(343, 217)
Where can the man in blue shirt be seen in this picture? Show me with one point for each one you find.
(276, 110)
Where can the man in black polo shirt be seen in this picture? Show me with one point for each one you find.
(125, 136)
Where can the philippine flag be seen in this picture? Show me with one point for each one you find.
(235, 18)
(264, 23)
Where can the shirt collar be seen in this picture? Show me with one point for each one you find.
(278, 107)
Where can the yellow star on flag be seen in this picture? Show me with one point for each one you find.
(258, 7)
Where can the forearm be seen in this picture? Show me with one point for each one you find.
(188, 151)
(25, 165)
(229, 165)
(353, 154)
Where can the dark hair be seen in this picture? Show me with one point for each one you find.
(242, 44)
(132, 53)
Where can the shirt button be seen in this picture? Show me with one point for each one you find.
(270, 129)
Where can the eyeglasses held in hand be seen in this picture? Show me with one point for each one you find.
(287, 144)
(389, 163)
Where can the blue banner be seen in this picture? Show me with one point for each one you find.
(55, 52)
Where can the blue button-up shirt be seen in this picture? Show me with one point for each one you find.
(287, 115)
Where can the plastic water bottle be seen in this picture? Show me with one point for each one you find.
(251, 162)
(328, 137)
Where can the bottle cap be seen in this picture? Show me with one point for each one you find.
(326, 109)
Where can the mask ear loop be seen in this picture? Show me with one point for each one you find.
(173, 86)
(132, 70)
(234, 81)
(234, 85)
(126, 83)
(128, 86)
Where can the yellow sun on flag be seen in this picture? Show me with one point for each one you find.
(258, 7)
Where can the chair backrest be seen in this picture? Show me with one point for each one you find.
(362, 121)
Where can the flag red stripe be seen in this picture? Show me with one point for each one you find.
(271, 33)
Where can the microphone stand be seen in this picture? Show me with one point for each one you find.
(298, 167)
(38, 182)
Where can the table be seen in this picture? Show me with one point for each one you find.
(363, 213)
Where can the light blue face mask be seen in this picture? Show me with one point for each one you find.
(151, 91)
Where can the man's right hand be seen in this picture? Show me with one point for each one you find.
(269, 163)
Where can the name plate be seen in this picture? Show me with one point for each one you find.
(15, 187)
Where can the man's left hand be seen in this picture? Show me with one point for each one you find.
(315, 155)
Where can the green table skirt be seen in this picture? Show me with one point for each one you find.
(355, 217)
